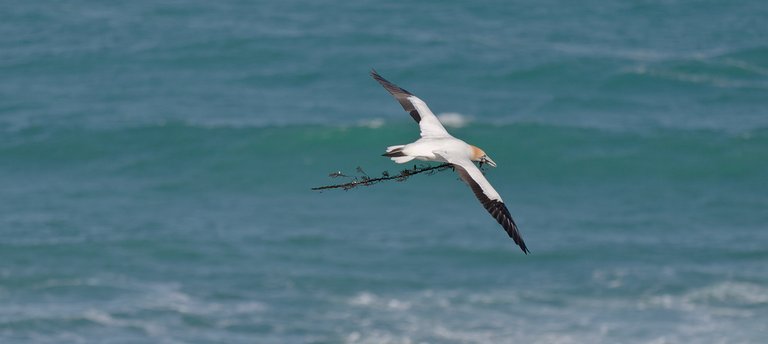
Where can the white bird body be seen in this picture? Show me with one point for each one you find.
(426, 148)
(436, 144)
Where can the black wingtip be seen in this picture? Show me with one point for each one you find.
(384, 82)
(395, 90)
(521, 243)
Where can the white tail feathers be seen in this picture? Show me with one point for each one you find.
(391, 148)
(402, 159)
(397, 155)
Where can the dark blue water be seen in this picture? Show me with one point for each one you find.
(156, 161)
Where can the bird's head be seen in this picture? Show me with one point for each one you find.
(480, 156)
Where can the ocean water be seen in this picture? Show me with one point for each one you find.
(156, 161)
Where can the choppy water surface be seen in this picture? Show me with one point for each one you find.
(156, 160)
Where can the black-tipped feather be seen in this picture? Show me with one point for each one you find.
(394, 154)
(496, 208)
(400, 94)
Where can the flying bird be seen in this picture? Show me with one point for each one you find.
(436, 144)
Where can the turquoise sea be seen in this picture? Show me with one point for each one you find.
(156, 160)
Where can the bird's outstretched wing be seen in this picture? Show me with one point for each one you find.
(428, 123)
(489, 198)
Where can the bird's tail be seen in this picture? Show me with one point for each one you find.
(397, 155)
(394, 151)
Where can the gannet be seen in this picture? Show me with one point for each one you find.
(436, 144)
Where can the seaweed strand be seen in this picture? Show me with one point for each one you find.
(364, 179)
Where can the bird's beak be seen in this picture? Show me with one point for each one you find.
(488, 161)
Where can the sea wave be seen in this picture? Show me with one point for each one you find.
(541, 317)
(543, 149)
(138, 307)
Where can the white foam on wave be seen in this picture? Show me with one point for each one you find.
(705, 315)
(416, 318)
(726, 298)
(145, 309)
(376, 337)
(374, 123)
(610, 278)
(453, 119)
(698, 78)
(597, 50)
(746, 66)
(106, 319)
(448, 119)
(69, 282)
(170, 298)
(370, 300)
(731, 294)
(363, 299)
